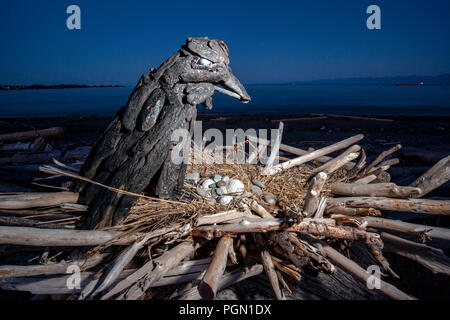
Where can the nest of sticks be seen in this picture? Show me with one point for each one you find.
(193, 248)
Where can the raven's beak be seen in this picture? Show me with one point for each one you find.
(234, 88)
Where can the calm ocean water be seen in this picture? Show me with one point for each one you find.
(340, 99)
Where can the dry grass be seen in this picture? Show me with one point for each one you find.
(289, 187)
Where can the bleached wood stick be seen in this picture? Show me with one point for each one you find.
(380, 158)
(359, 165)
(259, 209)
(313, 194)
(58, 284)
(221, 217)
(147, 268)
(129, 280)
(256, 154)
(314, 155)
(257, 225)
(411, 205)
(359, 273)
(269, 268)
(31, 135)
(23, 222)
(189, 266)
(297, 151)
(407, 227)
(227, 280)
(49, 269)
(321, 209)
(338, 162)
(36, 199)
(119, 264)
(65, 238)
(434, 177)
(352, 211)
(431, 258)
(374, 190)
(289, 269)
(274, 150)
(210, 282)
(366, 179)
(163, 264)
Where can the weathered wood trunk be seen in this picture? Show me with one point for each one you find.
(127, 157)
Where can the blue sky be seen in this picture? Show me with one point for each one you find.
(269, 41)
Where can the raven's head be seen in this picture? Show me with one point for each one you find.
(198, 69)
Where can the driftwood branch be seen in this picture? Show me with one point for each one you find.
(36, 199)
(163, 264)
(269, 267)
(227, 280)
(50, 268)
(274, 150)
(256, 225)
(65, 238)
(221, 217)
(313, 195)
(297, 151)
(374, 190)
(359, 273)
(119, 264)
(406, 227)
(352, 211)
(314, 155)
(441, 207)
(366, 179)
(431, 258)
(210, 282)
(378, 160)
(433, 178)
(338, 162)
(31, 135)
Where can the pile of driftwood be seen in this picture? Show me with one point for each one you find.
(343, 204)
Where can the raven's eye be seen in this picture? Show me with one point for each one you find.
(202, 64)
(205, 62)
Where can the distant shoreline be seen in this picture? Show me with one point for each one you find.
(57, 86)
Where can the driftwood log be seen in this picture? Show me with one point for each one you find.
(36, 199)
(31, 135)
(402, 205)
(374, 190)
(210, 282)
(135, 151)
(433, 178)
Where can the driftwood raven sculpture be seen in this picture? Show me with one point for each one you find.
(134, 153)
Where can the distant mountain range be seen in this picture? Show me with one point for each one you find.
(443, 79)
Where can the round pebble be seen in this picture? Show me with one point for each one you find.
(214, 194)
(225, 178)
(207, 183)
(235, 186)
(221, 183)
(202, 192)
(219, 191)
(258, 183)
(224, 189)
(256, 190)
(217, 177)
(225, 199)
(270, 198)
